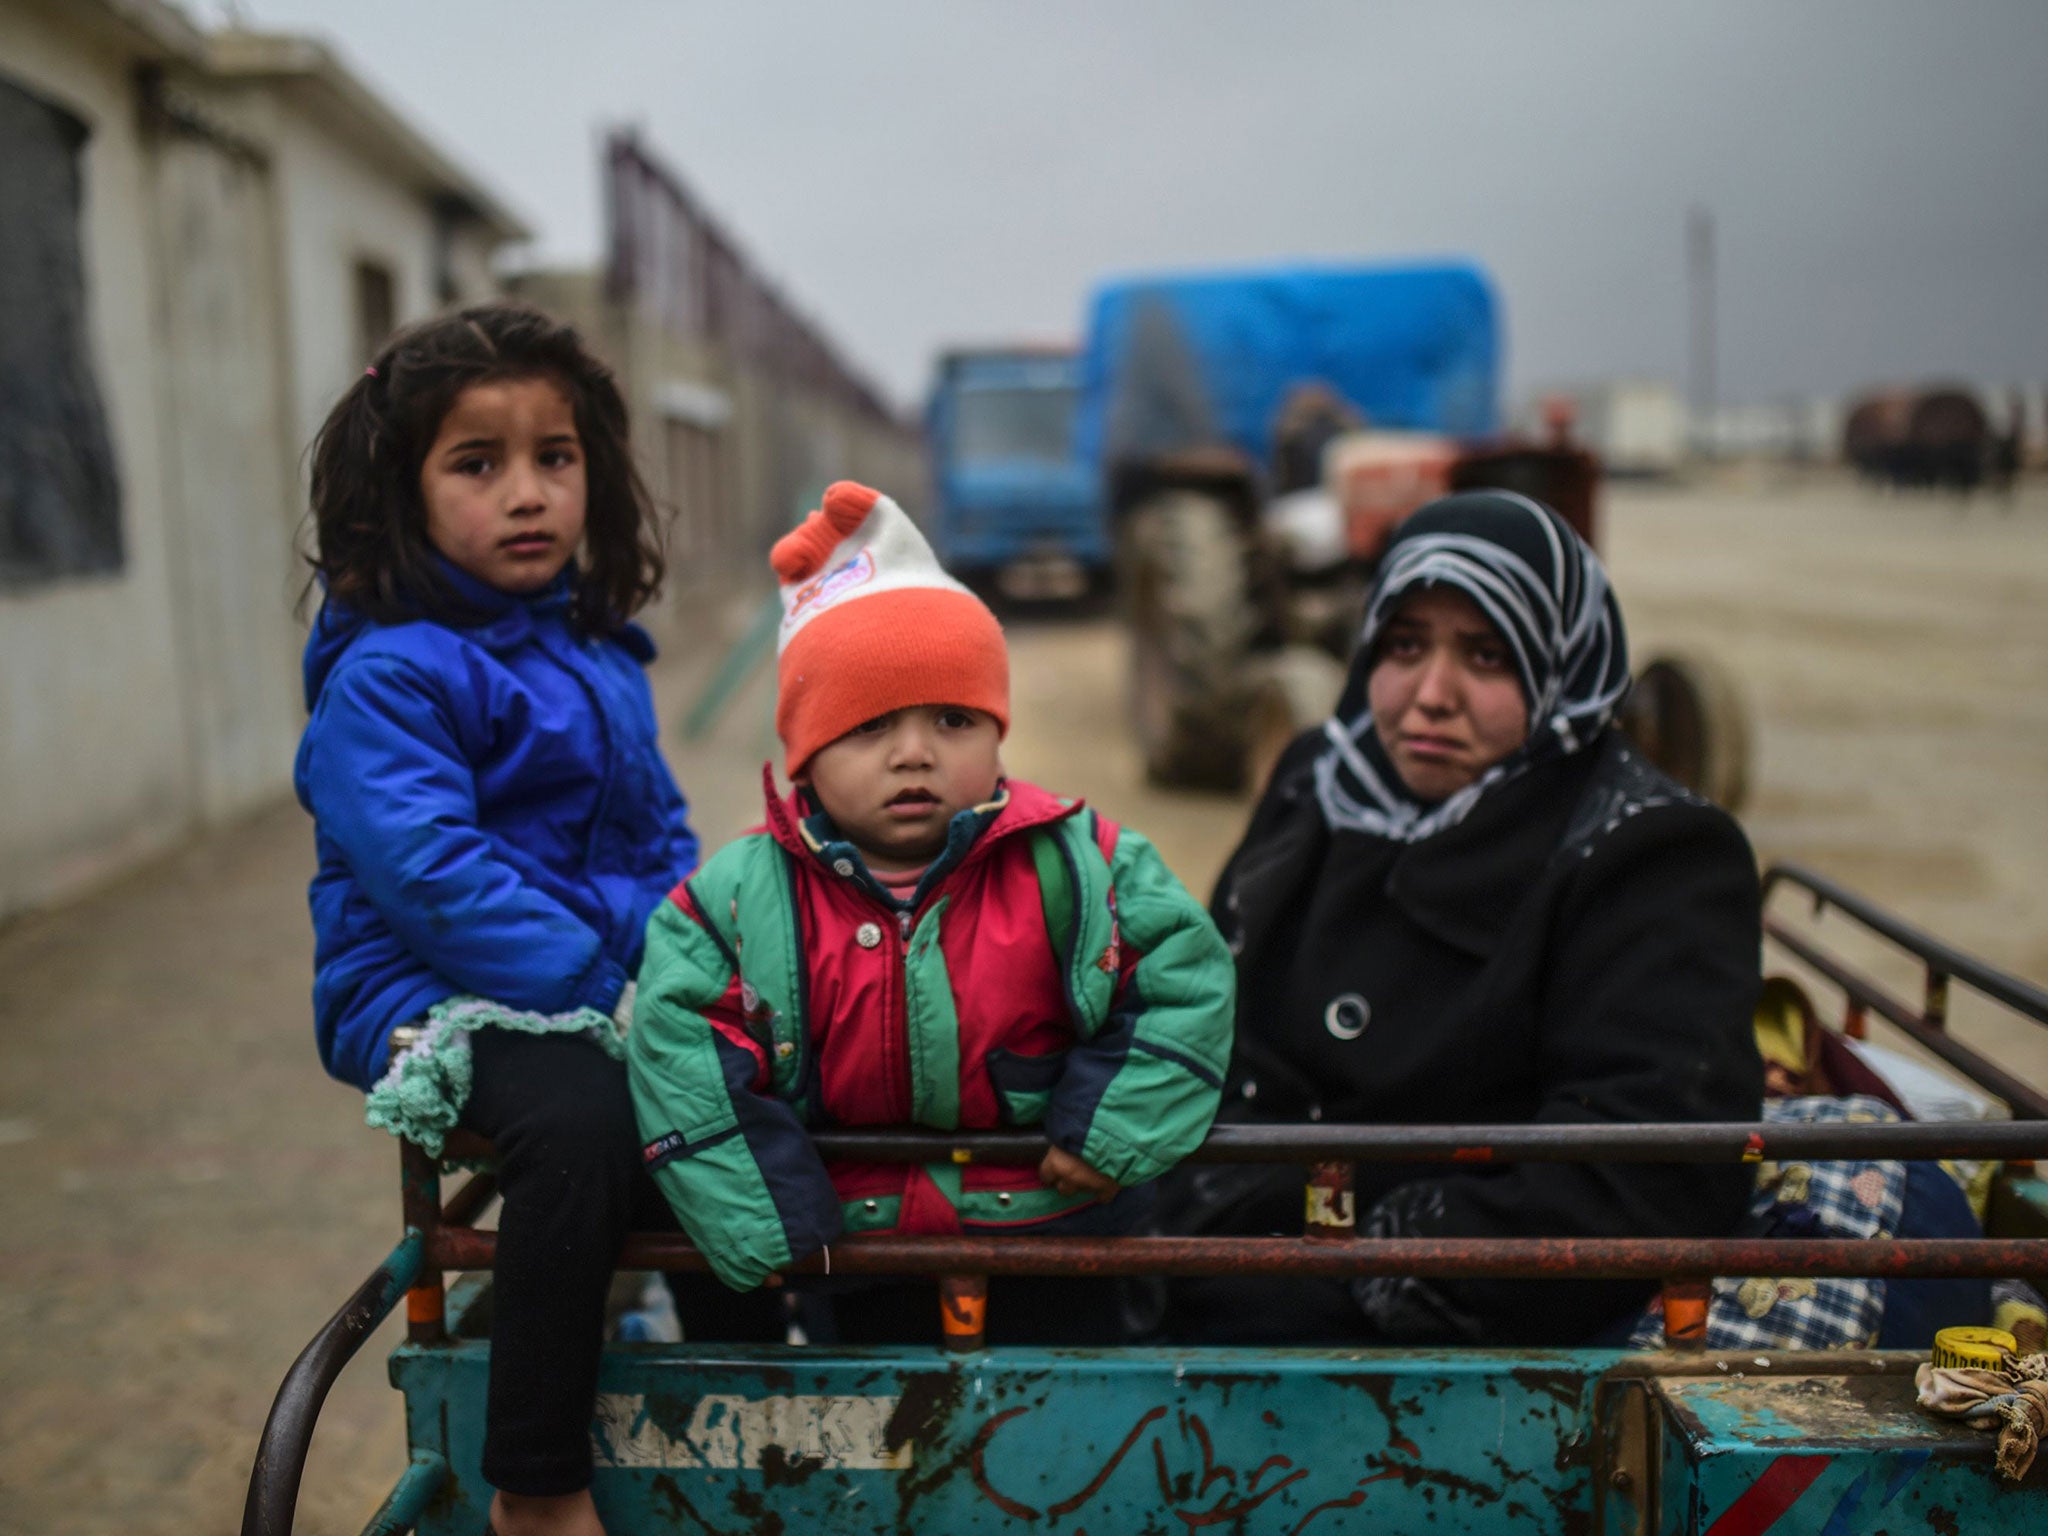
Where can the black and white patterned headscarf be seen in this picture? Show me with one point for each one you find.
(1545, 591)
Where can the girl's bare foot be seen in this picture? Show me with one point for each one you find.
(568, 1514)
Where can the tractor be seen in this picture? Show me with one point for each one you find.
(1259, 434)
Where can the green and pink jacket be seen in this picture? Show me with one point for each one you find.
(1048, 970)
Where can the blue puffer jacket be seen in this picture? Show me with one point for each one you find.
(492, 812)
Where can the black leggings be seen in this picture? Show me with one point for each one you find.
(569, 1168)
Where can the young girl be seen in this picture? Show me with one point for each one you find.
(494, 822)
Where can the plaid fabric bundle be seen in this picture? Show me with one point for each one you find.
(1841, 1199)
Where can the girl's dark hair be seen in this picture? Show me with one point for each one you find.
(368, 516)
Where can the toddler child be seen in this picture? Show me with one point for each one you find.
(494, 822)
(913, 939)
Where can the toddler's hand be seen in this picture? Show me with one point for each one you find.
(1070, 1176)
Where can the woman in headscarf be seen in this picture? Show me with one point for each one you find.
(1466, 899)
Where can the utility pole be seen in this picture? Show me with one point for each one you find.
(1699, 275)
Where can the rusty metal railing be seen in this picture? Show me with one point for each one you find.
(445, 1237)
(442, 1237)
(1941, 965)
(1329, 1153)
(1686, 1266)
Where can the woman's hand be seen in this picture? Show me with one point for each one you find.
(1070, 1176)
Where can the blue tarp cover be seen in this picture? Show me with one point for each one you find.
(1205, 358)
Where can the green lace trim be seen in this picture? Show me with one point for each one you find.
(421, 1094)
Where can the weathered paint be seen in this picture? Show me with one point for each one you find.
(732, 1439)
(1828, 1454)
(753, 1439)
(1332, 1206)
(843, 1433)
(415, 1489)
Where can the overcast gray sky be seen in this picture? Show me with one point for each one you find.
(921, 172)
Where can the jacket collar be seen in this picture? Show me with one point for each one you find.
(504, 619)
(498, 621)
(809, 833)
(1464, 885)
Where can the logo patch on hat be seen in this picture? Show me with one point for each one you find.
(823, 591)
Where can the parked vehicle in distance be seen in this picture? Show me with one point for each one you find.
(1927, 439)
(1013, 505)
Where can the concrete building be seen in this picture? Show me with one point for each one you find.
(206, 235)
(742, 409)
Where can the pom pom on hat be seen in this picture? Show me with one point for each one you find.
(870, 624)
(803, 553)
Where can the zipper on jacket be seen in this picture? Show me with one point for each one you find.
(609, 781)
(902, 969)
(1073, 945)
(895, 1000)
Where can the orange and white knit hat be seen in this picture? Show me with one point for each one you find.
(870, 624)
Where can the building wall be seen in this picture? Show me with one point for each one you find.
(94, 754)
(771, 442)
(692, 322)
(221, 230)
(223, 372)
(228, 220)
(339, 211)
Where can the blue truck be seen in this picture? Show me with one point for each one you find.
(1012, 502)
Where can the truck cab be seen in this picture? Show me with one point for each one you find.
(1012, 502)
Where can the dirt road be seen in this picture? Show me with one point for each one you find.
(183, 1198)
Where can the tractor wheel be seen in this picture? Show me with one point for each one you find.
(1687, 716)
(1291, 691)
(1181, 560)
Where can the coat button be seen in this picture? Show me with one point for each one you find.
(868, 935)
(1347, 1016)
(785, 1050)
(843, 867)
(1002, 1197)
(871, 1206)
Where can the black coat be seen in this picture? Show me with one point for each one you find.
(1583, 947)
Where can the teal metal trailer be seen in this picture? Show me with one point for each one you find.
(961, 1438)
